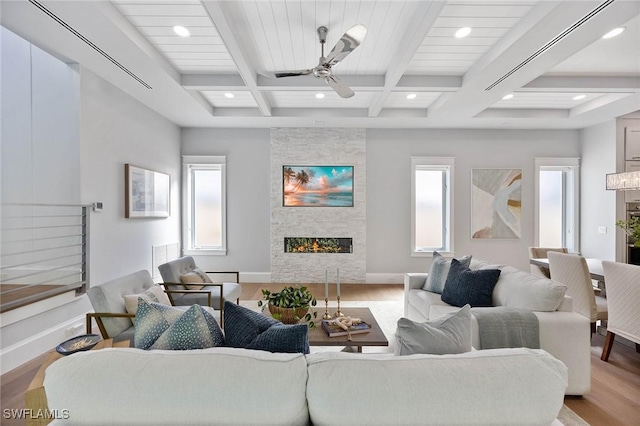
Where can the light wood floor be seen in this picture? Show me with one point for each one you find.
(614, 398)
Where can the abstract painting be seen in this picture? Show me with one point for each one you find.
(496, 203)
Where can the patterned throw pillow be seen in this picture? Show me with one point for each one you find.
(162, 327)
(439, 271)
(465, 286)
(448, 334)
(195, 276)
(153, 294)
(247, 329)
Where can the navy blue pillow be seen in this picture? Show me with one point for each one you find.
(464, 286)
(244, 328)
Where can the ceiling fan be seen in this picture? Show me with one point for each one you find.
(347, 43)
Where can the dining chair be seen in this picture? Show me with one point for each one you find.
(572, 271)
(541, 253)
(623, 297)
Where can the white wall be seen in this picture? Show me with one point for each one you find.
(598, 206)
(248, 196)
(116, 129)
(42, 158)
(389, 155)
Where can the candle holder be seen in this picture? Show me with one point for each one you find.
(339, 311)
(326, 315)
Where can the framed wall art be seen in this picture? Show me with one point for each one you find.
(146, 193)
(317, 186)
(496, 203)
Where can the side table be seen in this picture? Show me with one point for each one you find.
(36, 398)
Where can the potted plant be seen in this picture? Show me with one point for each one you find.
(290, 305)
(631, 227)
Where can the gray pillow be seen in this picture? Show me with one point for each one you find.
(161, 327)
(448, 334)
(439, 271)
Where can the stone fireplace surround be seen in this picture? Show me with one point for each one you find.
(322, 147)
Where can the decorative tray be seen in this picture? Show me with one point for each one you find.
(78, 343)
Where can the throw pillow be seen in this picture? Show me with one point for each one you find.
(439, 271)
(448, 334)
(195, 276)
(153, 294)
(465, 286)
(245, 328)
(161, 327)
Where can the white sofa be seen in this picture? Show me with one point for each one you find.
(227, 386)
(563, 333)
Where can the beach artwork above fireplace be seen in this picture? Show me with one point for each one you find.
(317, 186)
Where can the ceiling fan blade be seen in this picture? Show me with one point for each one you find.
(349, 41)
(339, 87)
(279, 74)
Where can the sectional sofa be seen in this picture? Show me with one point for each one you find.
(228, 386)
(563, 333)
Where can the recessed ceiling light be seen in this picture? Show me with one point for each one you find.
(229, 95)
(507, 97)
(181, 31)
(463, 32)
(411, 96)
(319, 95)
(578, 97)
(614, 32)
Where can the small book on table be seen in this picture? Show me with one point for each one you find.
(333, 330)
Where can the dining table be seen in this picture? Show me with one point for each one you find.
(595, 271)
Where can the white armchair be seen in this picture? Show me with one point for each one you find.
(623, 297)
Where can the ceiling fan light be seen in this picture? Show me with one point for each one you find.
(507, 97)
(463, 32)
(614, 32)
(579, 97)
(229, 95)
(411, 96)
(181, 31)
(319, 95)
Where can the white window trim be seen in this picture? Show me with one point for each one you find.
(204, 160)
(446, 162)
(559, 163)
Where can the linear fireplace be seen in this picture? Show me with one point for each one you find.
(318, 245)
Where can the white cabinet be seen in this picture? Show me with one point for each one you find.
(632, 144)
(632, 196)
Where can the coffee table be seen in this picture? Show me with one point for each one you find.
(375, 337)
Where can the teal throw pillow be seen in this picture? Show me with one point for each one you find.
(247, 329)
(164, 327)
(465, 286)
(448, 334)
(439, 271)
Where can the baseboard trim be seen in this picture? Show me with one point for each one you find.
(381, 278)
(255, 277)
(25, 350)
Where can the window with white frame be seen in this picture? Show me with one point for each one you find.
(204, 215)
(557, 202)
(431, 207)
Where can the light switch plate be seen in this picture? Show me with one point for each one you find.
(602, 229)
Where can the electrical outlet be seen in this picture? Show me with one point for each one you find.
(602, 229)
(74, 330)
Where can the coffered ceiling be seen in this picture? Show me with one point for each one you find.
(548, 54)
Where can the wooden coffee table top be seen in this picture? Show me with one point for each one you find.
(375, 337)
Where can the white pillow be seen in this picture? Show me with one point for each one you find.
(448, 334)
(152, 294)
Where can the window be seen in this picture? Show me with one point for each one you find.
(431, 208)
(557, 189)
(204, 216)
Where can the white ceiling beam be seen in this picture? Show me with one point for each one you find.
(353, 81)
(434, 83)
(583, 84)
(413, 37)
(246, 70)
(212, 82)
(483, 89)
